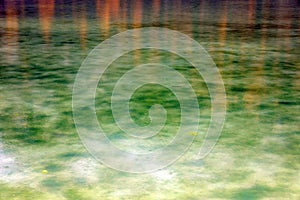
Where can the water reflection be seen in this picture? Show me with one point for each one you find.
(10, 37)
(255, 90)
(156, 8)
(108, 12)
(46, 13)
(103, 12)
(137, 13)
(83, 27)
(223, 26)
(254, 43)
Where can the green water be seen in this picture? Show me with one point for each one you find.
(256, 46)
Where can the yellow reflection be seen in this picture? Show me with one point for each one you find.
(10, 37)
(46, 12)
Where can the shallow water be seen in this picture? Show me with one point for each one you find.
(256, 46)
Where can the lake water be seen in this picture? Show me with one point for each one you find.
(256, 46)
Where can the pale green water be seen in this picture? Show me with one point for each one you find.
(256, 46)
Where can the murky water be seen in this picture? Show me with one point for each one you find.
(256, 46)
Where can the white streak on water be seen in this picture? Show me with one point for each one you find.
(10, 171)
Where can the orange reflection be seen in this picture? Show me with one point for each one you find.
(115, 8)
(137, 13)
(105, 18)
(46, 12)
(10, 37)
(107, 11)
(103, 15)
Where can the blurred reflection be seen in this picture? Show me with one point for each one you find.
(83, 27)
(10, 36)
(223, 26)
(114, 8)
(156, 8)
(137, 19)
(222, 37)
(137, 13)
(102, 15)
(297, 77)
(255, 44)
(107, 12)
(251, 10)
(22, 8)
(46, 12)
(254, 93)
(201, 15)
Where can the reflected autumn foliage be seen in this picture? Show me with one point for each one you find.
(83, 27)
(107, 12)
(46, 14)
(10, 36)
(137, 13)
(255, 90)
(226, 33)
(114, 16)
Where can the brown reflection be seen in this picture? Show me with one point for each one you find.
(201, 15)
(46, 12)
(10, 36)
(124, 13)
(83, 27)
(284, 45)
(137, 19)
(251, 11)
(223, 26)
(222, 34)
(254, 93)
(156, 8)
(177, 10)
(22, 8)
(296, 83)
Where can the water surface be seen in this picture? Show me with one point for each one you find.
(256, 46)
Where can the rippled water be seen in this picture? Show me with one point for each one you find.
(256, 46)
